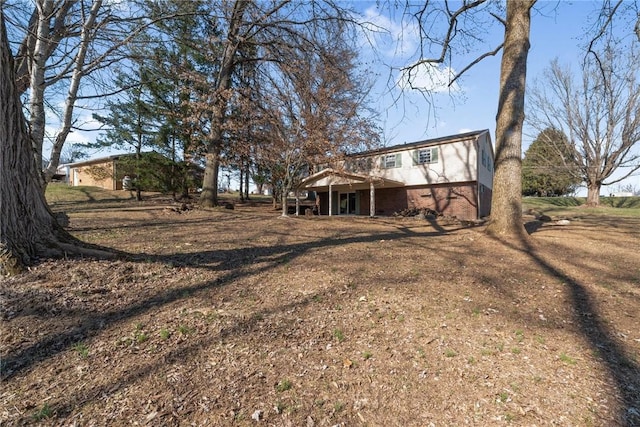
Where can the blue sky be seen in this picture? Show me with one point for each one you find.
(558, 30)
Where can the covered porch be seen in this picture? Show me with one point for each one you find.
(346, 193)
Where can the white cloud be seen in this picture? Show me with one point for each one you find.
(429, 77)
(392, 38)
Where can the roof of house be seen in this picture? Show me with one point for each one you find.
(423, 143)
(98, 160)
(349, 176)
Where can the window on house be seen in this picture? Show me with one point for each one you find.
(426, 155)
(391, 161)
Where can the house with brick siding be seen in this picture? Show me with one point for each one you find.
(104, 172)
(110, 172)
(452, 175)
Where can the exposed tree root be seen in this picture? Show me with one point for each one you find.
(12, 263)
(79, 250)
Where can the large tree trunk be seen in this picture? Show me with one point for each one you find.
(593, 194)
(27, 226)
(506, 207)
(209, 196)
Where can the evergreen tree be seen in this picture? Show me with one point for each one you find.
(548, 168)
(130, 123)
(156, 110)
(183, 59)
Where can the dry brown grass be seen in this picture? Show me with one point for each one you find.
(220, 317)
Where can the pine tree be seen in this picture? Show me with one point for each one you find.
(548, 168)
(130, 123)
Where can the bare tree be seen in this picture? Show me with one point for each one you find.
(462, 33)
(312, 111)
(27, 226)
(506, 212)
(599, 112)
(64, 43)
(43, 61)
(254, 31)
(79, 70)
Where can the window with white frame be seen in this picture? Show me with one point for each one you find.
(391, 161)
(426, 155)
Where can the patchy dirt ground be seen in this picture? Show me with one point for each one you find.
(240, 317)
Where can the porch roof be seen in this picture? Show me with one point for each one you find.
(320, 181)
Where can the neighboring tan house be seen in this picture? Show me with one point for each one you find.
(102, 172)
(452, 175)
(159, 172)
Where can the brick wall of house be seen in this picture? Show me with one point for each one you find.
(388, 201)
(83, 176)
(455, 200)
(459, 200)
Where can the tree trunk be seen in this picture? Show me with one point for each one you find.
(209, 196)
(246, 181)
(593, 194)
(72, 94)
(241, 182)
(285, 207)
(37, 83)
(506, 208)
(25, 221)
(28, 229)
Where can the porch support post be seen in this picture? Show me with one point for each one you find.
(330, 198)
(297, 203)
(372, 200)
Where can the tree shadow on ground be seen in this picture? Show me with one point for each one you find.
(233, 264)
(238, 263)
(146, 368)
(621, 367)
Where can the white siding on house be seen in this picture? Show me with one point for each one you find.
(333, 180)
(466, 159)
(485, 161)
(452, 174)
(455, 163)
